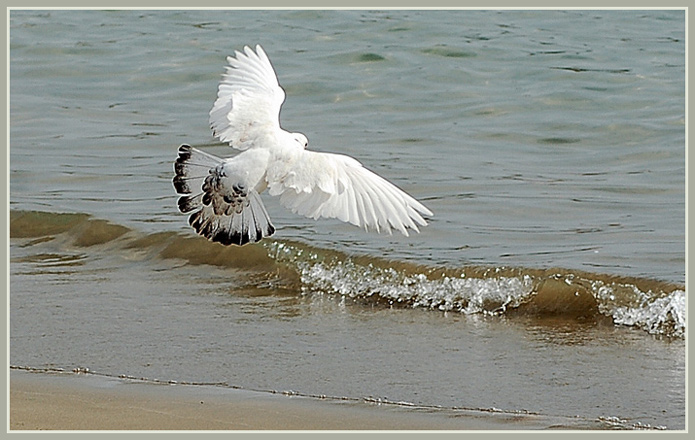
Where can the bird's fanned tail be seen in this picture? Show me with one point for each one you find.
(238, 218)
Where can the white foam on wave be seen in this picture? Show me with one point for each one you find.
(658, 315)
(467, 295)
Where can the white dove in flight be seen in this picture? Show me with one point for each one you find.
(222, 195)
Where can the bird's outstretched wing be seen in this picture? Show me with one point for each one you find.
(337, 186)
(248, 100)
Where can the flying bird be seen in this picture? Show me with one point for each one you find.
(222, 194)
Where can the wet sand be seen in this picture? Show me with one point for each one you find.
(40, 401)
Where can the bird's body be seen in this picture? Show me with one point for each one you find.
(222, 195)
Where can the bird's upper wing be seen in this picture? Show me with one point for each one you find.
(248, 100)
(337, 186)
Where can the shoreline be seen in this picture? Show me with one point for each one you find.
(71, 401)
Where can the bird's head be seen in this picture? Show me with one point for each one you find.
(301, 139)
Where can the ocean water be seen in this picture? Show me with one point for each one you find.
(550, 146)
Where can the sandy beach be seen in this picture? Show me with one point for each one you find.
(66, 401)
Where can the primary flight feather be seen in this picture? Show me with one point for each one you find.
(222, 195)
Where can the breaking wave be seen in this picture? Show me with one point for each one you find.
(657, 307)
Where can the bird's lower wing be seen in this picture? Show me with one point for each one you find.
(337, 186)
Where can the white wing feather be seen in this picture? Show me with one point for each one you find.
(246, 114)
(248, 100)
(337, 186)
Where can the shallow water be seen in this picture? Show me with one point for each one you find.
(549, 145)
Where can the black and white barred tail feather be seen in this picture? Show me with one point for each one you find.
(225, 215)
(252, 224)
(191, 168)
